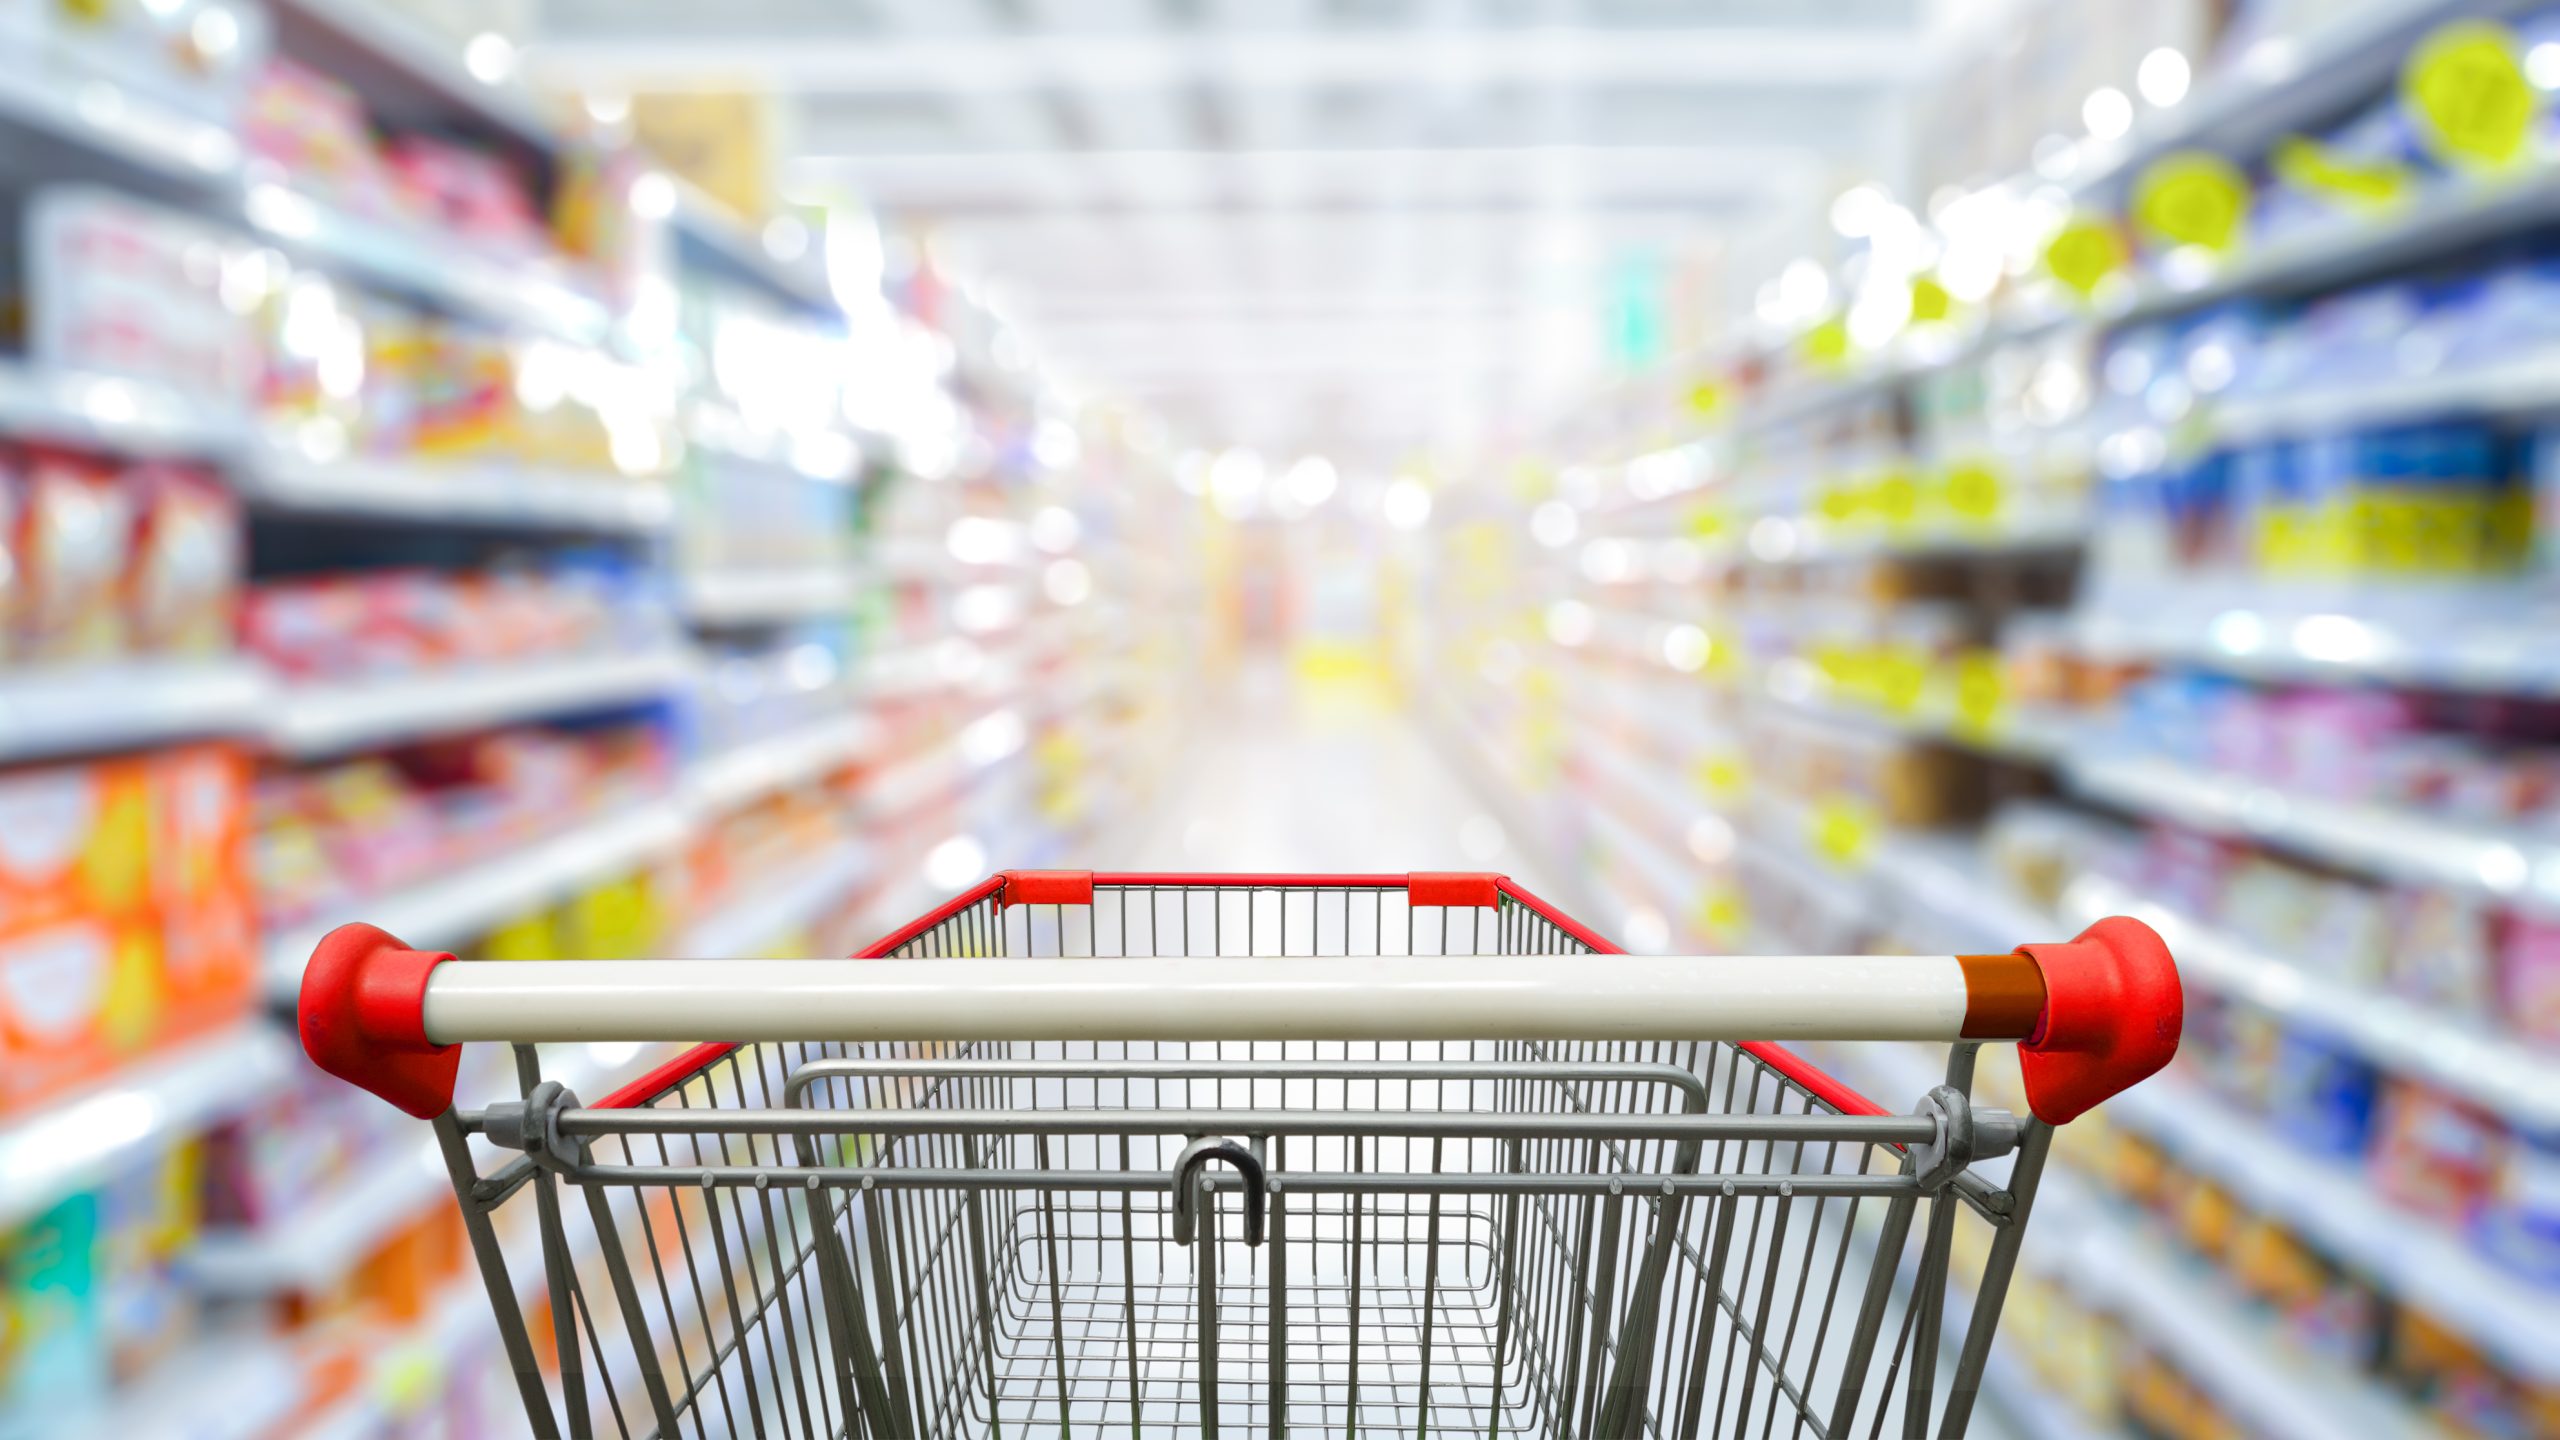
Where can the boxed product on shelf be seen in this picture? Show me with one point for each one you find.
(56, 1360)
(329, 835)
(403, 621)
(120, 287)
(120, 888)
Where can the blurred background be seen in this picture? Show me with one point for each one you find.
(580, 478)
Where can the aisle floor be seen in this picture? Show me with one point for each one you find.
(1279, 774)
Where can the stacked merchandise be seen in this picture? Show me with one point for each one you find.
(427, 445)
(2157, 568)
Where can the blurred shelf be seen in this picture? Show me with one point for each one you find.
(57, 122)
(105, 412)
(467, 902)
(767, 597)
(220, 1388)
(92, 1133)
(748, 925)
(796, 757)
(2494, 862)
(919, 669)
(402, 66)
(2481, 636)
(323, 1239)
(2332, 1203)
(2180, 1306)
(830, 456)
(511, 292)
(2281, 83)
(2462, 1055)
(2453, 216)
(126, 705)
(2021, 734)
(2520, 387)
(1812, 542)
(445, 492)
(326, 719)
(711, 239)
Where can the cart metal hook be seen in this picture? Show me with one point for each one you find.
(1186, 1185)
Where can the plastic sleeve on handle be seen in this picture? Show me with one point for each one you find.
(2113, 1012)
(1441, 887)
(363, 1019)
(1046, 887)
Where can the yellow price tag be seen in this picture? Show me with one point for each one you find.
(1896, 498)
(1706, 398)
(2192, 197)
(1842, 831)
(1707, 522)
(2083, 254)
(1723, 915)
(1720, 776)
(2316, 169)
(2467, 92)
(1828, 342)
(1973, 490)
(1839, 503)
(1901, 673)
(1982, 690)
(1930, 301)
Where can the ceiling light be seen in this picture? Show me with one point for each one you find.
(490, 57)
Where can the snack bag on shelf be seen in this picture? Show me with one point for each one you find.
(74, 541)
(123, 288)
(184, 588)
(2520, 1225)
(470, 194)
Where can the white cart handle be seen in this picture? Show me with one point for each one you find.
(2105, 1007)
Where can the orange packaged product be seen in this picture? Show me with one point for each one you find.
(184, 590)
(79, 997)
(201, 885)
(75, 840)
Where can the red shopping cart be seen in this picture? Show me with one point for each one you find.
(1155, 1154)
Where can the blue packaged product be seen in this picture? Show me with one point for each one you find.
(2322, 1094)
(2520, 1225)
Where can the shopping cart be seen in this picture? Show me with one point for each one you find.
(1082, 1154)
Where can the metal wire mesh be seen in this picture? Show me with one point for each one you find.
(1464, 1247)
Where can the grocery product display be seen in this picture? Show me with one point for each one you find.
(568, 483)
(396, 518)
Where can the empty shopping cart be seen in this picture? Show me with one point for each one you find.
(1095, 1154)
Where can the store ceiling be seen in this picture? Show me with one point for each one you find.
(1371, 228)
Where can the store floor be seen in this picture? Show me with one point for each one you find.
(1283, 773)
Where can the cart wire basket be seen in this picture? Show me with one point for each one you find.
(1090, 1154)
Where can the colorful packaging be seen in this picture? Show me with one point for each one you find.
(2445, 956)
(79, 997)
(2436, 1154)
(2520, 1225)
(75, 840)
(207, 906)
(183, 592)
(2529, 976)
(74, 540)
(53, 1352)
(2321, 1093)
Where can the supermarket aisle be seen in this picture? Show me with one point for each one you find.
(1287, 774)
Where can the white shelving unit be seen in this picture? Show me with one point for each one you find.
(462, 903)
(746, 772)
(766, 597)
(2333, 1203)
(2509, 866)
(456, 494)
(327, 719)
(2462, 1055)
(138, 1112)
(126, 705)
(125, 417)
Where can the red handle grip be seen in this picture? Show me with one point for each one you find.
(2112, 1015)
(363, 1019)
